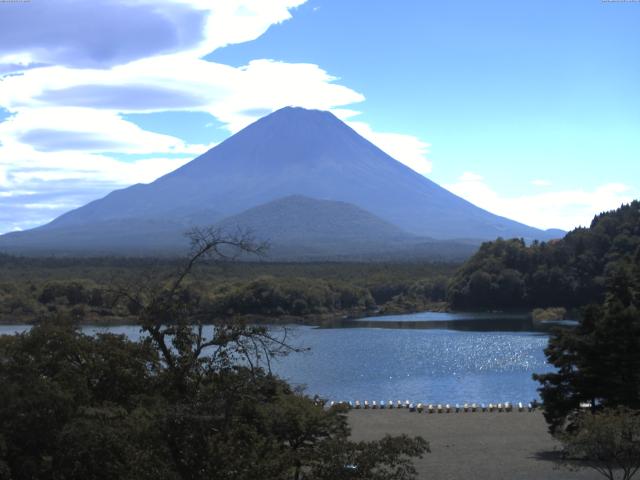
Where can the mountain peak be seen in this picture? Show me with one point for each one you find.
(295, 151)
(297, 121)
(296, 110)
(293, 111)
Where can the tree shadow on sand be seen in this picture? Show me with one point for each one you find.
(561, 462)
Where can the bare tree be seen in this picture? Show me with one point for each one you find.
(183, 331)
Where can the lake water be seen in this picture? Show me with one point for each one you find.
(427, 357)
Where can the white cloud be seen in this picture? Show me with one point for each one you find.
(34, 166)
(68, 100)
(233, 21)
(4, 181)
(471, 178)
(407, 149)
(48, 206)
(541, 183)
(58, 128)
(266, 85)
(564, 209)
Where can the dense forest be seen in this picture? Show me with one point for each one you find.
(84, 288)
(503, 274)
(182, 403)
(571, 272)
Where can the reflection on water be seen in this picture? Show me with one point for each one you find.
(463, 321)
(437, 358)
(448, 316)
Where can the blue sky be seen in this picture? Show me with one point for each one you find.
(504, 88)
(530, 109)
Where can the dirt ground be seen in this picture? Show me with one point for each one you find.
(487, 446)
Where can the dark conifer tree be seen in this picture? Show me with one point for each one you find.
(599, 361)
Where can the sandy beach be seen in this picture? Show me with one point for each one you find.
(487, 446)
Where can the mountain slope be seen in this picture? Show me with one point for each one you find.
(302, 220)
(299, 227)
(290, 152)
(296, 228)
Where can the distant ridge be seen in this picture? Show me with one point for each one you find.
(290, 152)
(297, 219)
(299, 227)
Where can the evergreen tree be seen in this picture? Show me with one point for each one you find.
(598, 362)
(569, 272)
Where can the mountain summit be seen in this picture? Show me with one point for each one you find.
(290, 152)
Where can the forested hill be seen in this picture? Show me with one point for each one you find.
(570, 272)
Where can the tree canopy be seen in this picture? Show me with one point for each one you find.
(607, 442)
(187, 401)
(597, 362)
(570, 272)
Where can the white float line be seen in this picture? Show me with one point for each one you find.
(436, 408)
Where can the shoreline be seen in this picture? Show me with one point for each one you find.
(316, 320)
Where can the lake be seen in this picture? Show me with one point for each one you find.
(427, 357)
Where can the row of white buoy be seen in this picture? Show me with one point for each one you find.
(438, 408)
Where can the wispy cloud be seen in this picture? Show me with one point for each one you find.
(564, 209)
(407, 149)
(541, 183)
(74, 83)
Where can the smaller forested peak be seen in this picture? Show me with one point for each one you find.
(571, 272)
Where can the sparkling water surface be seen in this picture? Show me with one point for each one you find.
(428, 365)
(418, 364)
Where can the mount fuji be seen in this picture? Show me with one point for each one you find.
(315, 184)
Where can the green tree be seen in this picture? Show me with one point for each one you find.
(607, 442)
(568, 272)
(194, 399)
(599, 361)
(51, 378)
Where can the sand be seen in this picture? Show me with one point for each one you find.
(487, 446)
